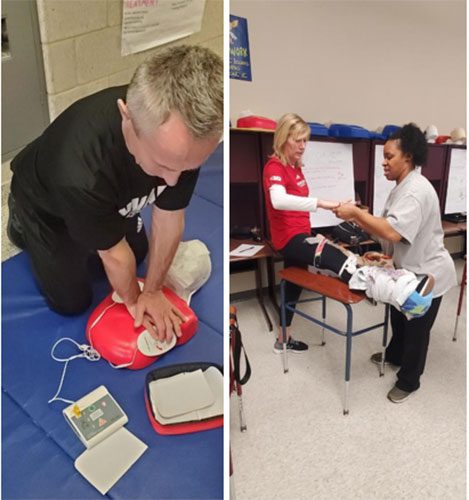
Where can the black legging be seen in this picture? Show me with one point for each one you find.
(298, 252)
(409, 345)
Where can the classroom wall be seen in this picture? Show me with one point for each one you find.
(81, 45)
(368, 63)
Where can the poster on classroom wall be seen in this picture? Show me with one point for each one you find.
(149, 23)
(240, 59)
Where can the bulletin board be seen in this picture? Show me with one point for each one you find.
(456, 191)
(328, 170)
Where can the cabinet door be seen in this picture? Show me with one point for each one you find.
(434, 170)
(244, 157)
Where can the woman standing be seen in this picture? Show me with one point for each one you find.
(410, 231)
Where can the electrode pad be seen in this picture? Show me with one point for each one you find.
(185, 398)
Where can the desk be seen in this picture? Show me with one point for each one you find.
(334, 289)
(453, 228)
(264, 253)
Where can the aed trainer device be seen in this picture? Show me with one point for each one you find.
(95, 416)
(99, 422)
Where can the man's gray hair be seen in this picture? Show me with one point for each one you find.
(185, 79)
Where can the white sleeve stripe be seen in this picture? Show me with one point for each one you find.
(283, 201)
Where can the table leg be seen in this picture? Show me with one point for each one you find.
(323, 342)
(271, 283)
(284, 327)
(259, 294)
(461, 295)
(385, 339)
(348, 355)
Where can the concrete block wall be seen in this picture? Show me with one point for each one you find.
(81, 46)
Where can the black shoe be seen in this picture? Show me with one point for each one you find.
(295, 346)
(376, 359)
(14, 229)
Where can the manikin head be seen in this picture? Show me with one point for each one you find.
(173, 118)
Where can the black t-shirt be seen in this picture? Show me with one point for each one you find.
(78, 176)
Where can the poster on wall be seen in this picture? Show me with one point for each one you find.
(149, 23)
(240, 59)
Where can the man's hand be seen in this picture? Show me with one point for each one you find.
(161, 318)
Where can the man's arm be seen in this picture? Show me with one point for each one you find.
(166, 232)
(121, 269)
(378, 226)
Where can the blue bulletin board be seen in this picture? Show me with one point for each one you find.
(240, 60)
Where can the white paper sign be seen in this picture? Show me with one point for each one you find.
(149, 23)
(456, 192)
(382, 187)
(246, 250)
(328, 169)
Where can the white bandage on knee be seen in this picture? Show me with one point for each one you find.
(350, 265)
(314, 240)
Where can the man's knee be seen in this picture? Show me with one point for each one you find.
(71, 303)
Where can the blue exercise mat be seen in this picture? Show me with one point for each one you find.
(38, 446)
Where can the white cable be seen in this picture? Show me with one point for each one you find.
(87, 352)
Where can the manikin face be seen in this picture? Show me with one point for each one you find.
(167, 151)
(294, 149)
(396, 164)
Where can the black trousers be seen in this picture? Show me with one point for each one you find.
(409, 345)
(299, 253)
(62, 267)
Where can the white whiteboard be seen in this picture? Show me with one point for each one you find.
(456, 192)
(382, 187)
(328, 170)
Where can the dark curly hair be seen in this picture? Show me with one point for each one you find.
(412, 142)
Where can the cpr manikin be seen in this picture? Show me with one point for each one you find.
(110, 329)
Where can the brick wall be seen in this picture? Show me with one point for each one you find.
(81, 45)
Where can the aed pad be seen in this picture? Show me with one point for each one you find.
(185, 398)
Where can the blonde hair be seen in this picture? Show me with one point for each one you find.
(186, 79)
(289, 125)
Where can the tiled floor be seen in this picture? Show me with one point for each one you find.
(299, 445)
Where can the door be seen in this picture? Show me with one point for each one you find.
(24, 101)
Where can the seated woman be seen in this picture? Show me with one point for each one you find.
(288, 205)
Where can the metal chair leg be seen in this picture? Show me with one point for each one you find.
(284, 328)
(242, 419)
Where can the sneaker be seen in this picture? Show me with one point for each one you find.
(376, 359)
(295, 346)
(397, 395)
(14, 229)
